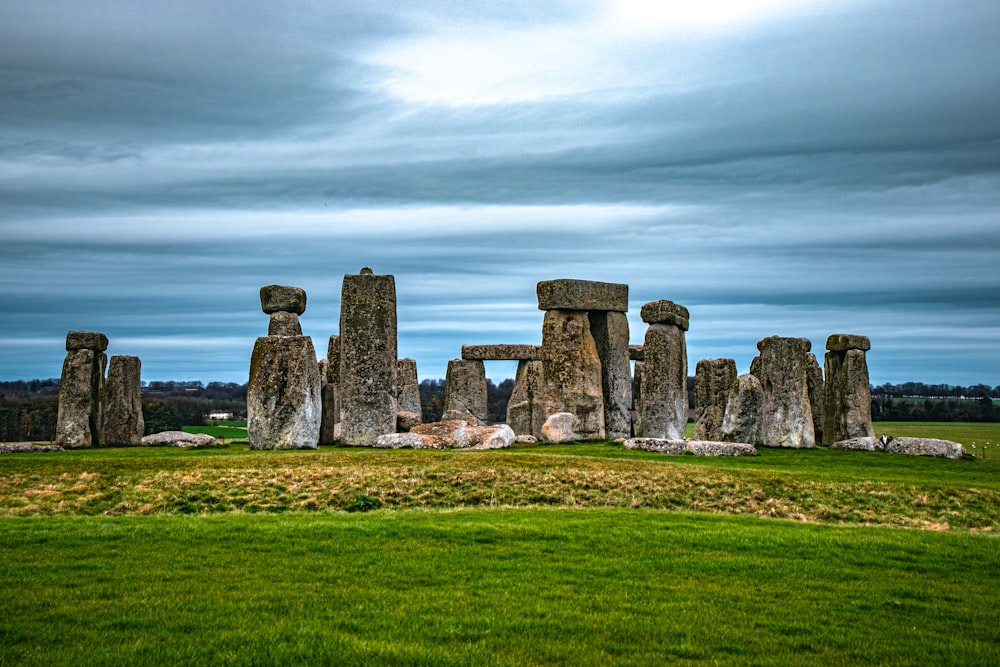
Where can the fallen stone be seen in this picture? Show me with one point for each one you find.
(906, 445)
(399, 441)
(696, 447)
(179, 439)
(27, 448)
(502, 352)
(526, 439)
(665, 312)
(560, 427)
(284, 323)
(453, 434)
(484, 437)
(276, 298)
(86, 340)
(568, 294)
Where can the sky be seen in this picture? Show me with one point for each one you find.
(779, 167)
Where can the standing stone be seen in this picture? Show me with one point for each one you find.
(123, 422)
(744, 409)
(610, 332)
(330, 392)
(847, 405)
(283, 395)
(465, 395)
(368, 406)
(784, 375)
(80, 418)
(663, 405)
(713, 379)
(817, 395)
(408, 396)
(637, 397)
(525, 409)
(571, 369)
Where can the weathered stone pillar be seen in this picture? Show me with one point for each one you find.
(330, 393)
(465, 395)
(123, 421)
(817, 395)
(368, 379)
(571, 370)
(80, 419)
(713, 380)
(787, 419)
(408, 395)
(847, 409)
(284, 406)
(663, 402)
(744, 411)
(525, 410)
(610, 331)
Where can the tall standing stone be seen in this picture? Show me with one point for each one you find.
(847, 405)
(330, 392)
(368, 406)
(123, 421)
(817, 395)
(787, 419)
(80, 419)
(408, 394)
(610, 332)
(744, 411)
(663, 400)
(465, 395)
(525, 409)
(713, 380)
(571, 370)
(284, 404)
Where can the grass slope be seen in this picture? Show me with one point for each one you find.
(506, 587)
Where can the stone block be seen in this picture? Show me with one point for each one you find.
(465, 390)
(284, 404)
(610, 332)
(713, 378)
(86, 340)
(787, 419)
(80, 415)
(665, 312)
(525, 409)
(844, 342)
(284, 323)
(663, 399)
(123, 421)
(744, 411)
(502, 352)
(276, 298)
(572, 371)
(569, 294)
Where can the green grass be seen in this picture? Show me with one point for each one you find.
(505, 587)
(221, 429)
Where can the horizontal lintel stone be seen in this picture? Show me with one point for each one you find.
(844, 342)
(665, 312)
(275, 298)
(502, 352)
(569, 294)
(86, 340)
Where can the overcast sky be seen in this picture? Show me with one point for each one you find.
(778, 167)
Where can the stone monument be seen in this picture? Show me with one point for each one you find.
(80, 420)
(123, 421)
(848, 400)
(662, 408)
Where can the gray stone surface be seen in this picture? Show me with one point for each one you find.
(453, 434)
(526, 409)
(560, 427)
(277, 298)
(817, 395)
(367, 358)
(86, 340)
(400, 441)
(637, 374)
(847, 405)
(635, 353)
(663, 401)
(407, 419)
(744, 411)
(502, 352)
(665, 312)
(787, 415)
(713, 378)
(696, 447)
(284, 323)
(284, 404)
(179, 439)
(465, 391)
(843, 342)
(572, 371)
(569, 294)
(498, 436)
(123, 421)
(27, 448)
(408, 387)
(610, 332)
(80, 418)
(905, 445)
(330, 392)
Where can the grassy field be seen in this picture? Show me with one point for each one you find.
(541, 554)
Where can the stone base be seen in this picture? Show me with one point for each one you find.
(456, 434)
(696, 447)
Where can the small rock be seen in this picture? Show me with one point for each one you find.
(179, 439)
(560, 427)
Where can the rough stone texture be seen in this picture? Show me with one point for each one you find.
(696, 447)
(787, 416)
(408, 387)
(367, 358)
(572, 371)
(330, 393)
(817, 394)
(333, 360)
(406, 420)
(484, 437)
(635, 353)
(610, 332)
(560, 427)
(123, 422)
(400, 441)
(713, 378)
(904, 445)
(27, 448)
(568, 294)
(526, 439)
(845, 342)
(744, 411)
(441, 435)
(86, 340)
(663, 399)
(456, 435)
(276, 298)
(525, 409)
(465, 390)
(847, 406)
(179, 439)
(80, 419)
(637, 374)
(502, 352)
(665, 312)
(284, 323)
(284, 406)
